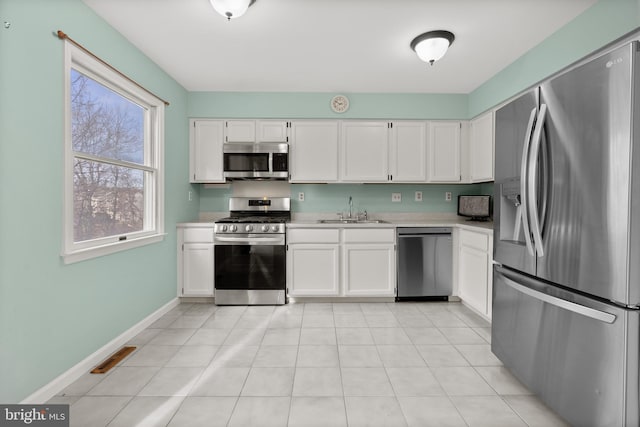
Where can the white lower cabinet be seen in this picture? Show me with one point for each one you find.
(314, 270)
(197, 259)
(195, 262)
(475, 274)
(369, 270)
(313, 262)
(341, 262)
(369, 262)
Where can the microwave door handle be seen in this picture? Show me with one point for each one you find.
(532, 181)
(523, 183)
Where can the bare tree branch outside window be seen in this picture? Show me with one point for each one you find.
(108, 143)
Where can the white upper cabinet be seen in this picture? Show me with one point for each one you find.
(205, 157)
(364, 151)
(273, 130)
(313, 152)
(481, 148)
(256, 130)
(240, 131)
(408, 151)
(444, 151)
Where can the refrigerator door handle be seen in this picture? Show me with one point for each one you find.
(602, 316)
(522, 209)
(532, 203)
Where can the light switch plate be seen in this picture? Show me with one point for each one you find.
(396, 197)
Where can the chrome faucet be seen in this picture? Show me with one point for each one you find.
(350, 207)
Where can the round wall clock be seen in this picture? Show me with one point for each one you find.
(339, 103)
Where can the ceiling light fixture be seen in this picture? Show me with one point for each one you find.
(231, 9)
(432, 45)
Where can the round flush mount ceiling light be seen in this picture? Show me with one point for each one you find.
(231, 9)
(432, 46)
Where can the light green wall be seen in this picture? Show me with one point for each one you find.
(316, 105)
(599, 25)
(373, 198)
(53, 315)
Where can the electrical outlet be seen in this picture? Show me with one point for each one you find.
(301, 196)
(447, 196)
(190, 195)
(418, 196)
(396, 197)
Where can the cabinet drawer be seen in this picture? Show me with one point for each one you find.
(369, 235)
(201, 235)
(475, 240)
(313, 235)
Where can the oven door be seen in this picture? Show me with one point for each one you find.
(250, 269)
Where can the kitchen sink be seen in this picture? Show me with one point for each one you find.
(352, 221)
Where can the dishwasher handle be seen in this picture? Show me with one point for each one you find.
(422, 231)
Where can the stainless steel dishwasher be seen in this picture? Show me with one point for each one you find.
(425, 269)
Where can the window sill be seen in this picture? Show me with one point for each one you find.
(98, 251)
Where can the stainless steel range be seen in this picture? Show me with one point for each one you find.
(250, 252)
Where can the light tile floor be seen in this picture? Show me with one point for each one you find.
(312, 364)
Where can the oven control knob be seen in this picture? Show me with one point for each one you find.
(275, 228)
(223, 228)
(233, 228)
(249, 228)
(265, 228)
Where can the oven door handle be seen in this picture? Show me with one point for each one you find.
(249, 240)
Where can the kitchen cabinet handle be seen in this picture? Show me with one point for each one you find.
(602, 316)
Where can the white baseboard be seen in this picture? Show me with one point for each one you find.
(54, 387)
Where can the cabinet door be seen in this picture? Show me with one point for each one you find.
(408, 152)
(197, 264)
(473, 286)
(481, 148)
(272, 131)
(369, 270)
(240, 131)
(314, 151)
(364, 148)
(444, 151)
(313, 270)
(205, 159)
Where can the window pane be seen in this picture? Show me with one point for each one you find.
(104, 123)
(108, 200)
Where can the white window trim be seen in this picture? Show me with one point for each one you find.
(72, 251)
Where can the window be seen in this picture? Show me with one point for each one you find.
(113, 160)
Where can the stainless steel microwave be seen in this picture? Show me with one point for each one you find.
(260, 160)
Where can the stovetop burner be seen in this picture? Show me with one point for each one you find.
(254, 214)
(254, 219)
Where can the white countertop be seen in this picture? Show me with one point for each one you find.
(311, 220)
(486, 227)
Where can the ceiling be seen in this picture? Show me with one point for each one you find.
(334, 45)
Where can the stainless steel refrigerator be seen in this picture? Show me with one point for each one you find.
(566, 286)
